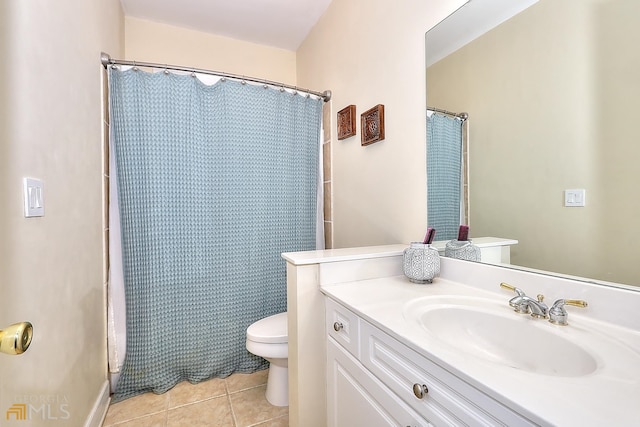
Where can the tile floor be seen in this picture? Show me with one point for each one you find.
(236, 401)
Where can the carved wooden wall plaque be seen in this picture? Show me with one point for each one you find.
(347, 122)
(372, 125)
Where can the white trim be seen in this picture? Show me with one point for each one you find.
(99, 410)
(469, 22)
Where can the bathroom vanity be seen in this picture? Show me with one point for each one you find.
(380, 350)
(374, 379)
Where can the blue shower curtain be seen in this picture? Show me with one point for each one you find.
(214, 182)
(444, 175)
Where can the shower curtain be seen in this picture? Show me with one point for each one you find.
(445, 208)
(214, 183)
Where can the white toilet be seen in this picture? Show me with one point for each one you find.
(268, 338)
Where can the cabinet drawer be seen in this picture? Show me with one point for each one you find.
(448, 401)
(357, 398)
(343, 326)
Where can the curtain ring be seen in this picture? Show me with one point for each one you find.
(135, 67)
(281, 88)
(223, 79)
(265, 86)
(166, 71)
(243, 82)
(193, 73)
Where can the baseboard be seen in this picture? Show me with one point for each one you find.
(99, 410)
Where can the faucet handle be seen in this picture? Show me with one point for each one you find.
(508, 287)
(558, 315)
(517, 302)
(576, 303)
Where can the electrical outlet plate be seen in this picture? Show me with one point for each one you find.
(574, 198)
(33, 193)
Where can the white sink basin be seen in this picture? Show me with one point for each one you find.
(486, 329)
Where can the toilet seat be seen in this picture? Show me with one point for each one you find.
(270, 330)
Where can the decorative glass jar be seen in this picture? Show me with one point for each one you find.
(421, 263)
(462, 249)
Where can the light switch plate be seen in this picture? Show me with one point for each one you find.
(574, 198)
(33, 192)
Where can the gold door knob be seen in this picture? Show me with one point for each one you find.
(15, 339)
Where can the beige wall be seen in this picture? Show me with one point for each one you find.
(51, 267)
(366, 56)
(161, 43)
(369, 55)
(552, 98)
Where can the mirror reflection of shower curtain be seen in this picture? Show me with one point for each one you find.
(446, 171)
(258, 199)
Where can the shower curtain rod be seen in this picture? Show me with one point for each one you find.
(106, 60)
(461, 116)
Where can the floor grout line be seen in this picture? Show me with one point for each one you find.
(182, 405)
(233, 413)
(137, 417)
(265, 421)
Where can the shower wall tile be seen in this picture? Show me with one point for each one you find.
(105, 174)
(105, 255)
(327, 117)
(328, 234)
(105, 95)
(465, 163)
(105, 201)
(326, 121)
(105, 147)
(326, 161)
(327, 202)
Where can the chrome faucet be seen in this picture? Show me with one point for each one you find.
(537, 308)
(524, 304)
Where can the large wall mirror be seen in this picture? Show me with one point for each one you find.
(553, 97)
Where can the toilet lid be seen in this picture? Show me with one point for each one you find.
(272, 329)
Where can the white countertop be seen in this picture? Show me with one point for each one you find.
(609, 396)
(481, 242)
(343, 254)
(348, 254)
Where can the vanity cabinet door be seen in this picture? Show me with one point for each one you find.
(357, 398)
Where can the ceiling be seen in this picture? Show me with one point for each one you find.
(469, 22)
(278, 23)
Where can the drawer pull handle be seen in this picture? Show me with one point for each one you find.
(420, 390)
(337, 326)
